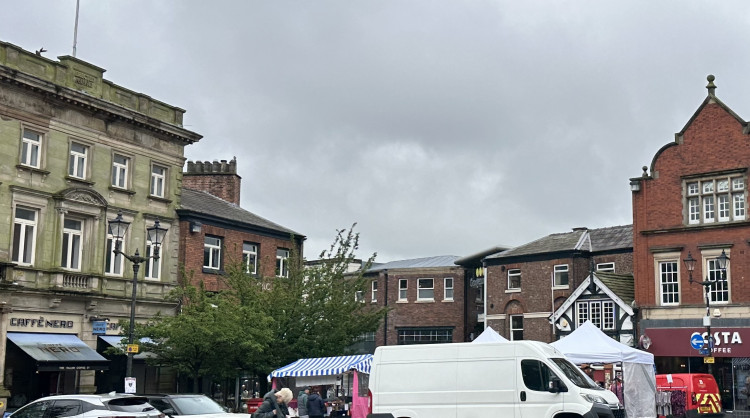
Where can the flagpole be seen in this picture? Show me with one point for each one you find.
(75, 29)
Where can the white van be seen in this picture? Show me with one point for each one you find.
(521, 379)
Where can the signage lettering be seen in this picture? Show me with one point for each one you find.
(59, 348)
(83, 80)
(40, 323)
(477, 282)
(723, 337)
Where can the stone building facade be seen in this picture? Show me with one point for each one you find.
(76, 150)
(216, 233)
(691, 203)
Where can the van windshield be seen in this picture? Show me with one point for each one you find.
(574, 374)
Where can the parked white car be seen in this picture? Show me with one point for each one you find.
(89, 406)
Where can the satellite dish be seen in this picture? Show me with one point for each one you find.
(645, 341)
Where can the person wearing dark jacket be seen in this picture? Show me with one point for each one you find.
(274, 404)
(316, 408)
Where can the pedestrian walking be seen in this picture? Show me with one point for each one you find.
(302, 402)
(274, 404)
(616, 388)
(316, 408)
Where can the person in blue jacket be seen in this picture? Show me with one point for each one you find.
(316, 408)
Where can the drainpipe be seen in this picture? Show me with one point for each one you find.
(484, 292)
(385, 320)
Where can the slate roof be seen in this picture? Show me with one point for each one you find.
(416, 263)
(622, 285)
(591, 240)
(207, 204)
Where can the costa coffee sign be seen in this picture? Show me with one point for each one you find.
(728, 342)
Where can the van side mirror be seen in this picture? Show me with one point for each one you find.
(555, 386)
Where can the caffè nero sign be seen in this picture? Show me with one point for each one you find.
(63, 324)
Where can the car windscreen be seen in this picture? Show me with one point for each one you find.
(195, 405)
(130, 404)
(574, 374)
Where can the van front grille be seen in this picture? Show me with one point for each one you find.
(618, 413)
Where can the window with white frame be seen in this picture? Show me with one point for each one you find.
(359, 296)
(153, 266)
(24, 236)
(719, 290)
(408, 336)
(605, 267)
(448, 288)
(250, 257)
(120, 169)
(516, 327)
(717, 199)
(425, 289)
(374, 291)
(212, 252)
(282, 262)
(78, 160)
(71, 244)
(601, 313)
(514, 279)
(158, 180)
(402, 288)
(113, 262)
(669, 282)
(561, 275)
(31, 148)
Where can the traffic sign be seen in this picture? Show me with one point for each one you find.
(708, 360)
(704, 351)
(697, 341)
(133, 348)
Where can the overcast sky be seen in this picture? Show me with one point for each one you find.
(440, 127)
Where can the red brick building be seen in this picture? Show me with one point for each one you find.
(215, 232)
(526, 284)
(426, 298)
(691, 204)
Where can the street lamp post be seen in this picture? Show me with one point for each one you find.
(721, 262)
(156, 234)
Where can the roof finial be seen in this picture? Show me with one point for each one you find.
(711, 86)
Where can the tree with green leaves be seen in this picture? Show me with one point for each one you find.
(258, 324)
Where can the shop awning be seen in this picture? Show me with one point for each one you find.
(325, 366)
(54, 352)
(116, 341)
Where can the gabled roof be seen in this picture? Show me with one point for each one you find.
(621, 292)
(417, 263)
(711, 98)
(202, 203)
(621, 285)
(580, 239)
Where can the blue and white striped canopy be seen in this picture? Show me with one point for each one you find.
(325, 366)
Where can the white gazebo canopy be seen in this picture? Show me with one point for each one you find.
(489, 335)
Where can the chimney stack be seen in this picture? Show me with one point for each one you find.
(218, 178)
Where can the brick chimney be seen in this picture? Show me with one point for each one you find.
(218, 178)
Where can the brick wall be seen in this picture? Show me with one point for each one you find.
(712, 143)
(191, 251)
(535, 298)
(218, 178)
(414, 314)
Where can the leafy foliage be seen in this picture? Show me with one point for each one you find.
(257, 324)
